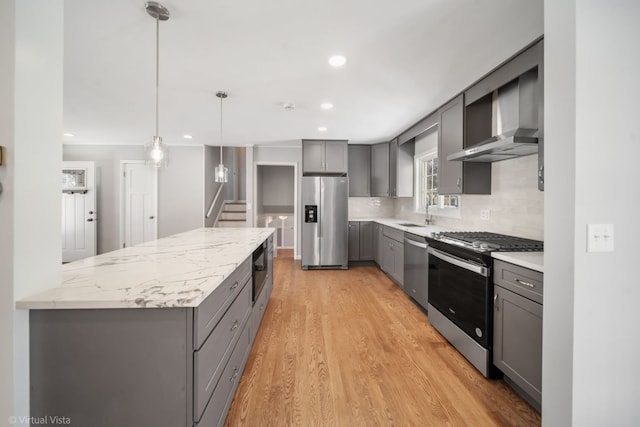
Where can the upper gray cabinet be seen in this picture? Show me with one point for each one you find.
(401, 168)
(359, 170)
(457, 177)
(380, 170)
(480, 97)
(324, 157)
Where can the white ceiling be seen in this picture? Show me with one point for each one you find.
(405, 58)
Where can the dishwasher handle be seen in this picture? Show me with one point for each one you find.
(414, 243)
(482, 270)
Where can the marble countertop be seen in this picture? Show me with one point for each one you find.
(176, 271)
(532, 260)
(420, 230)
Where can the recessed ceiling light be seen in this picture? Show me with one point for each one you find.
(337, 61)
(69, 134)
(326, 106)
(187, 136)
(322, 129)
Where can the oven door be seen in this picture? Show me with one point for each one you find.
(459, 289)
(260, 271)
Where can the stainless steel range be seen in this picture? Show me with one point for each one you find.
(460, 289)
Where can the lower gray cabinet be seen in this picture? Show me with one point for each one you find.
(354, 241)
(517, 339)
(361, 246)
(366, 241)
(393, 254)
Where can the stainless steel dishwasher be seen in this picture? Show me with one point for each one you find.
(416, 268)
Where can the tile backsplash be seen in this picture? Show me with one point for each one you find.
(371, 207)
(515, 205)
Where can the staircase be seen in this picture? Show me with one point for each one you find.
(233, 214)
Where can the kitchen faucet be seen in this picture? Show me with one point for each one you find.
(427, 218)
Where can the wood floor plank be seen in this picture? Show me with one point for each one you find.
(349, 348)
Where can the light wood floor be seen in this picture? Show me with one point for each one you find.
(348, 348)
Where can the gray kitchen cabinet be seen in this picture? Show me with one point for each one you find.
(401, 168)
(366, 241)
(354, 241)
(378, 243)
(319, 156)
(361, 241)
(359, 170)
(169, 366)
(393, 254)
(458, 177)
(380, 170)
(517, 329)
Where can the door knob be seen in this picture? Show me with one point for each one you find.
(90, 220)
(152, 217)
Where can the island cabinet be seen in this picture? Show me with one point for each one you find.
(156, 360)
(324, 157)
(517, 323)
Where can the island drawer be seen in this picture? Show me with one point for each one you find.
(211, 310)
(392, 233)
(209, 361)
(216, 410)
(521, 280)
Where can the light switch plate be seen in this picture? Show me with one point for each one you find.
(485, 214)
(599, 237)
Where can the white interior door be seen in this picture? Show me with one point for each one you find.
(79, 216)
(140, 203)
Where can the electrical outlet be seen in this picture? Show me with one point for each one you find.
(485, 214)
(599, 237)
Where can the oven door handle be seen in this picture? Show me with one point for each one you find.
(483, 271)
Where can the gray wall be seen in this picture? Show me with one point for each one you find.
(276, 187)
(108, 183)
(181, 191)
(235, 159)
(289, 153)
(180, 188)
(592, 146)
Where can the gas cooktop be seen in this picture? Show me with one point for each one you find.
(480, 241)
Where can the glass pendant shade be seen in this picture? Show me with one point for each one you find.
(156, 153)
(221, 173)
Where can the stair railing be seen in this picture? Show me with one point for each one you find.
(215, 199)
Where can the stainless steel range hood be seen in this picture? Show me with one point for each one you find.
(515, 121)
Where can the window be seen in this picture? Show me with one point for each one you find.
(426, 165)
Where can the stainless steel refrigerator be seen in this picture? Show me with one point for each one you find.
(325, 225)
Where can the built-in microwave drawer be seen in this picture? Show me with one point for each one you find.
(214, 414)
(210, 311)
(395, 234)
(521, 280)
(209, 361)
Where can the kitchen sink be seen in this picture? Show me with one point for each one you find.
(409, 224)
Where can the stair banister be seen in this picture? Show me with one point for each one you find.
(215, 199)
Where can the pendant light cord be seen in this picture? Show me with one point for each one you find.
(157, 72)
(220, 130)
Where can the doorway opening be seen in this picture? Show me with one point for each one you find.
(276, 203)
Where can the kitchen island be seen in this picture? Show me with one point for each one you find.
(152, 335)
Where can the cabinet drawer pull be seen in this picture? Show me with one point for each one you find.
(235, 326)
(234, 286)
(495, 299)
(531, 285)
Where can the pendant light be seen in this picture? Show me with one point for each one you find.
(221, 172)
(157, 153)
